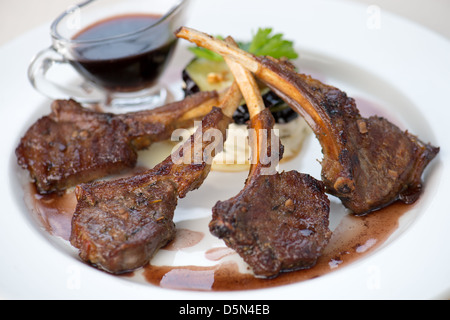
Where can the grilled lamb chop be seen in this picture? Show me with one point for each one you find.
(368, 163)
(279, 221)
(118, 225)
(73, 145)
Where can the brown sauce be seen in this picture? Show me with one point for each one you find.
(137, 60)
(217, 254)
(53, 211)
(352, 239)
(185, 239)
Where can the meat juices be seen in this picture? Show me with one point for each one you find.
(279, 221)
(73, 145)
(368, 163)
(118, 228)
(123, 66)
(119, 225)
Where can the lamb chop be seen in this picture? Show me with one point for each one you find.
(368, 163)
(279, 221)
(73, 144)
(118, 225)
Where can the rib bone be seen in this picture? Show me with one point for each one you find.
(119, 225)
(73, 144)
(278, 222)
(368, 163)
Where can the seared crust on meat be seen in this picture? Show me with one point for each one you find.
(119, 225)
(73, 144)
(68, 147)
(368, 163)
(277, 223)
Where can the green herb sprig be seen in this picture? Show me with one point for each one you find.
(263, 44)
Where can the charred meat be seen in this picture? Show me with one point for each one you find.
(279, 221)
(118, 225)
(368, 163)
(73, 144)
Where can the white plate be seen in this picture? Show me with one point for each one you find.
(395, 64)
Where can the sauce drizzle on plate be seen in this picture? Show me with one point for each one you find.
(353, 239)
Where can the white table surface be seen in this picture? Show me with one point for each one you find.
(19, 16)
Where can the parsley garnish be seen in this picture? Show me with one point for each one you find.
(262, 44)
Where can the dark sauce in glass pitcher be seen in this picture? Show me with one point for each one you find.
(123, 53)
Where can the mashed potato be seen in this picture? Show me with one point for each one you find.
(236, 153)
